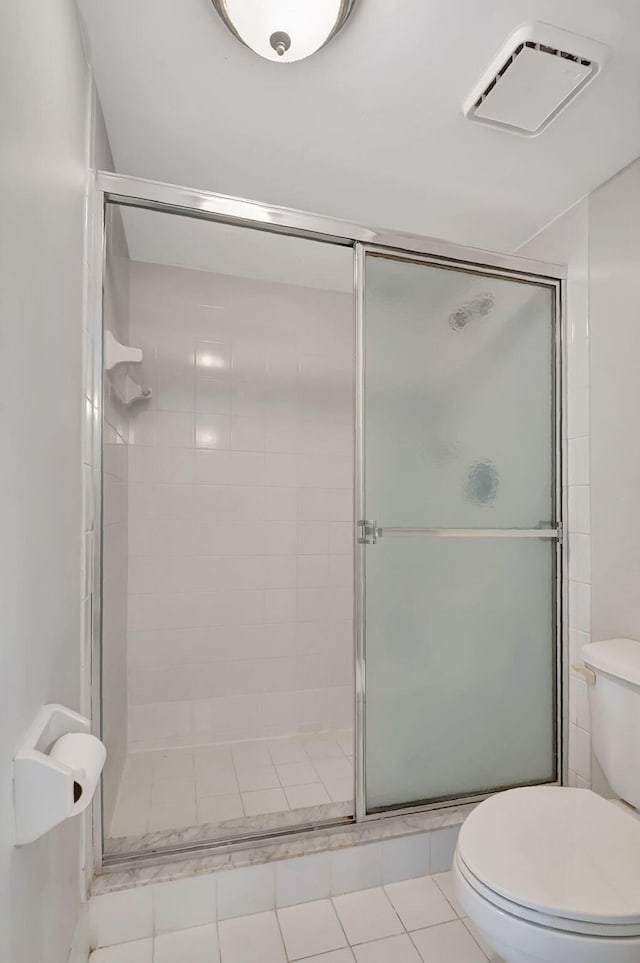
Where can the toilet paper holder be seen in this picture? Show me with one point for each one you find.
(47, 789)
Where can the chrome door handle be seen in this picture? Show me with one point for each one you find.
(370, 533)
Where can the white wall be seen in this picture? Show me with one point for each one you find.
(614, 249)
(44, 94)
(240, 509)
(600, 240)
(565, 241)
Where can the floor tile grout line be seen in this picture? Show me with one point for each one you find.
(473, 937)
(347, 946)
(415, 946)
(284, 945)
(433, 877)
(400, 920)
(303, 737)
(237, 778)
(340, 924)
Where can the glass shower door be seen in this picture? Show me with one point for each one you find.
(458, 531)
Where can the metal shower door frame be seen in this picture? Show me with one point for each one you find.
(110, 188)
(556, 532)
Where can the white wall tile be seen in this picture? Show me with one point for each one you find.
(578, 413)
(247, 434)
(341, 570)
(581, 700)
(315, 604)
(281, 435)
(229, 488)
(212, 431)
(580, 606)
(578, 362)
(614, 246)
(341, 537)
(567, 241)
(280, 469)
(577, 640)
(314, 504)
(182, 903)
(359, 867)
(341, 505)
(579, 509)
(174, 389)
(443, 845)
(245, 891)
(213, 358)
(406, 857)
(174, 429)
(579, 467)
(580, 752)
(313, 571)
(279, 605)
(303, 879)
(121, 917)
(313, 538)
(212, 396)
(580, 557)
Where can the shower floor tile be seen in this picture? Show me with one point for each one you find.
(228, 785)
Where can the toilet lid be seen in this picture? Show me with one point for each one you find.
(564, 852)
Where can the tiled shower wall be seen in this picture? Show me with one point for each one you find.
(240, 509)
(566, 241)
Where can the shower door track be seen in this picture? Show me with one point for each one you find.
(204, 205)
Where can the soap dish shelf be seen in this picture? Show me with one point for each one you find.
(127, 390)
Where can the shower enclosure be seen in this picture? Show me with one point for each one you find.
(331, 556)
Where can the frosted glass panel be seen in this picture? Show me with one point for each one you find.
(459, 666)
(459, 398)
(460, 628)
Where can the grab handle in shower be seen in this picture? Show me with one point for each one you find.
(371, 533)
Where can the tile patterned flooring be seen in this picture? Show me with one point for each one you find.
(176, 788)
(414, 921)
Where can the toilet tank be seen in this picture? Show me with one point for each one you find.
(614, 706)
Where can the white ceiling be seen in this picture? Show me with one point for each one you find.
(369, 129)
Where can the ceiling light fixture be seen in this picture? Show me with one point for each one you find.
(284, 30)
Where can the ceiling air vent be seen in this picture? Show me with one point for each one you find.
(536, 74)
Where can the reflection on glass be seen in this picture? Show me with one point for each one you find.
(227, 638)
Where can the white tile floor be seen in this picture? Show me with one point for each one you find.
(409, 922)
(176, 788)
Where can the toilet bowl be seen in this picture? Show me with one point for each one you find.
(552, 875)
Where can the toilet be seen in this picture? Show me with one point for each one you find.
(551, 874)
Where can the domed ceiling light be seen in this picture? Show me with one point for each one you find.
(284, 30)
